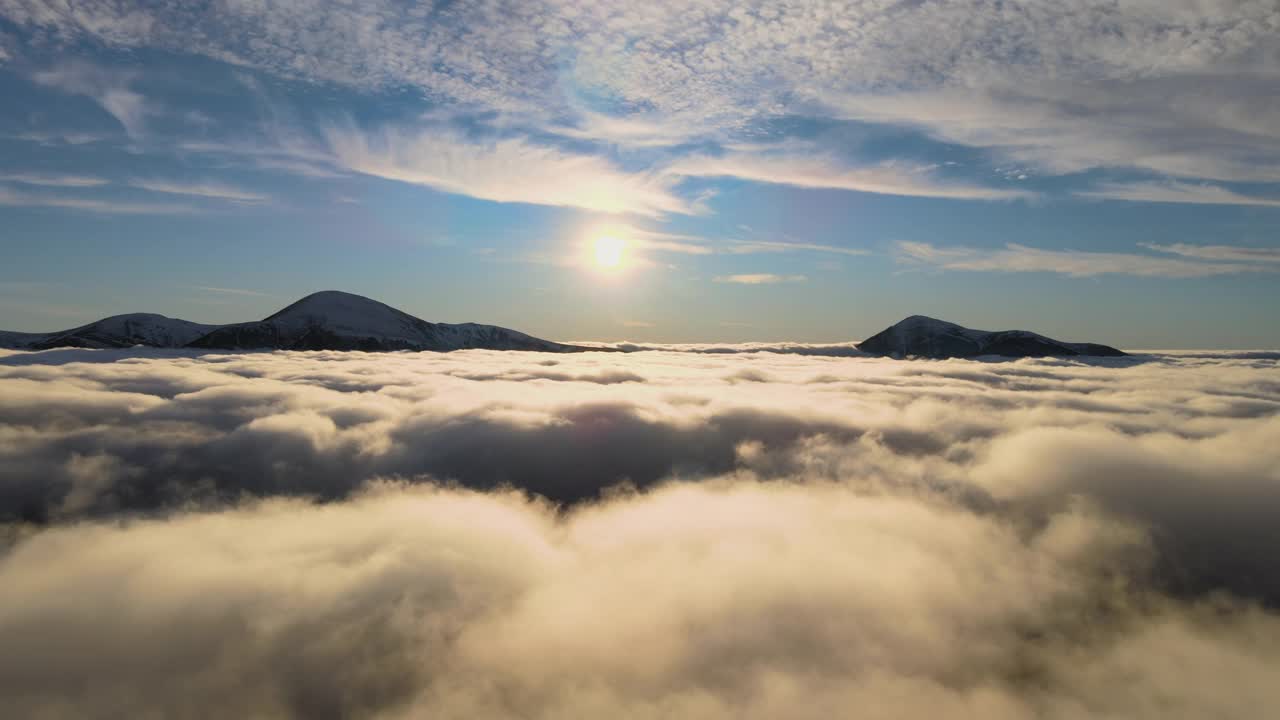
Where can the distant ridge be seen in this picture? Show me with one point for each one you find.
(334, 320)
(920, 336)
(327, 320)
(113, 332)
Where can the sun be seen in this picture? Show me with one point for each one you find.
(609, 251)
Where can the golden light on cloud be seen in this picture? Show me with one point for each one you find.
(609, 251)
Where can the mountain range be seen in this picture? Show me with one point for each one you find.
(333, 320)
(328, 320)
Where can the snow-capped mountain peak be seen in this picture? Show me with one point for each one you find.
(116, 331)
(327, 320)
(349, 315)
(334, 320)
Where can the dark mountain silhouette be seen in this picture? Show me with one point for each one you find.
(920, 336)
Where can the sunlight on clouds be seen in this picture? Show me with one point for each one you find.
(759, 279)
(793, 535)
(509, 170)
(614, 250)
(1064, 86)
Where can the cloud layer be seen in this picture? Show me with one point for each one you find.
(1063, 87)
(747, 534)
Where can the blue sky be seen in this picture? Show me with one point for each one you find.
(804, 171)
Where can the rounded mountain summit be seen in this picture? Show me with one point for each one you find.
(926, 337)
(327, 320)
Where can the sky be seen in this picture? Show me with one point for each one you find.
(803, 171)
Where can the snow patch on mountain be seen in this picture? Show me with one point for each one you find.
(117, 331)
(333, 320)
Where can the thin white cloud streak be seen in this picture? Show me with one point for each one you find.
(818, 172)
(108, 88)
(675, 246)
(18, 199)
(53, 180)
(653, 240)
(57, 138)
(759, 279)
(843, 532)
(203, 189)
(284, 156)
(1175, 192)
(509, 170)
(1073, 263)
(749, 247)
(1225, 253)
(633, 131)
(232, 291)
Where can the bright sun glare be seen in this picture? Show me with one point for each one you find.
(609, 251)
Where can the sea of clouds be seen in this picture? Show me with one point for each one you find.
(747, 532)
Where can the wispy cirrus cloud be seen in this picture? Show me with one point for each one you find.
(1227, 253)
(506, 170)
(651, 240)
(1073, 263)
(750, 247)
(814, 171)
(109, 88)
(232, 291)
(1175, 192)
(636, 131)
(1063, 127)
(203, 189)
(759, 279)
(111, 207)
(56, 138)
(53, 179)
(280, 154)
(644, 240)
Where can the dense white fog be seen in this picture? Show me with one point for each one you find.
(657, 534)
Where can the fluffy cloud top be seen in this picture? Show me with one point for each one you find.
(738, 533)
